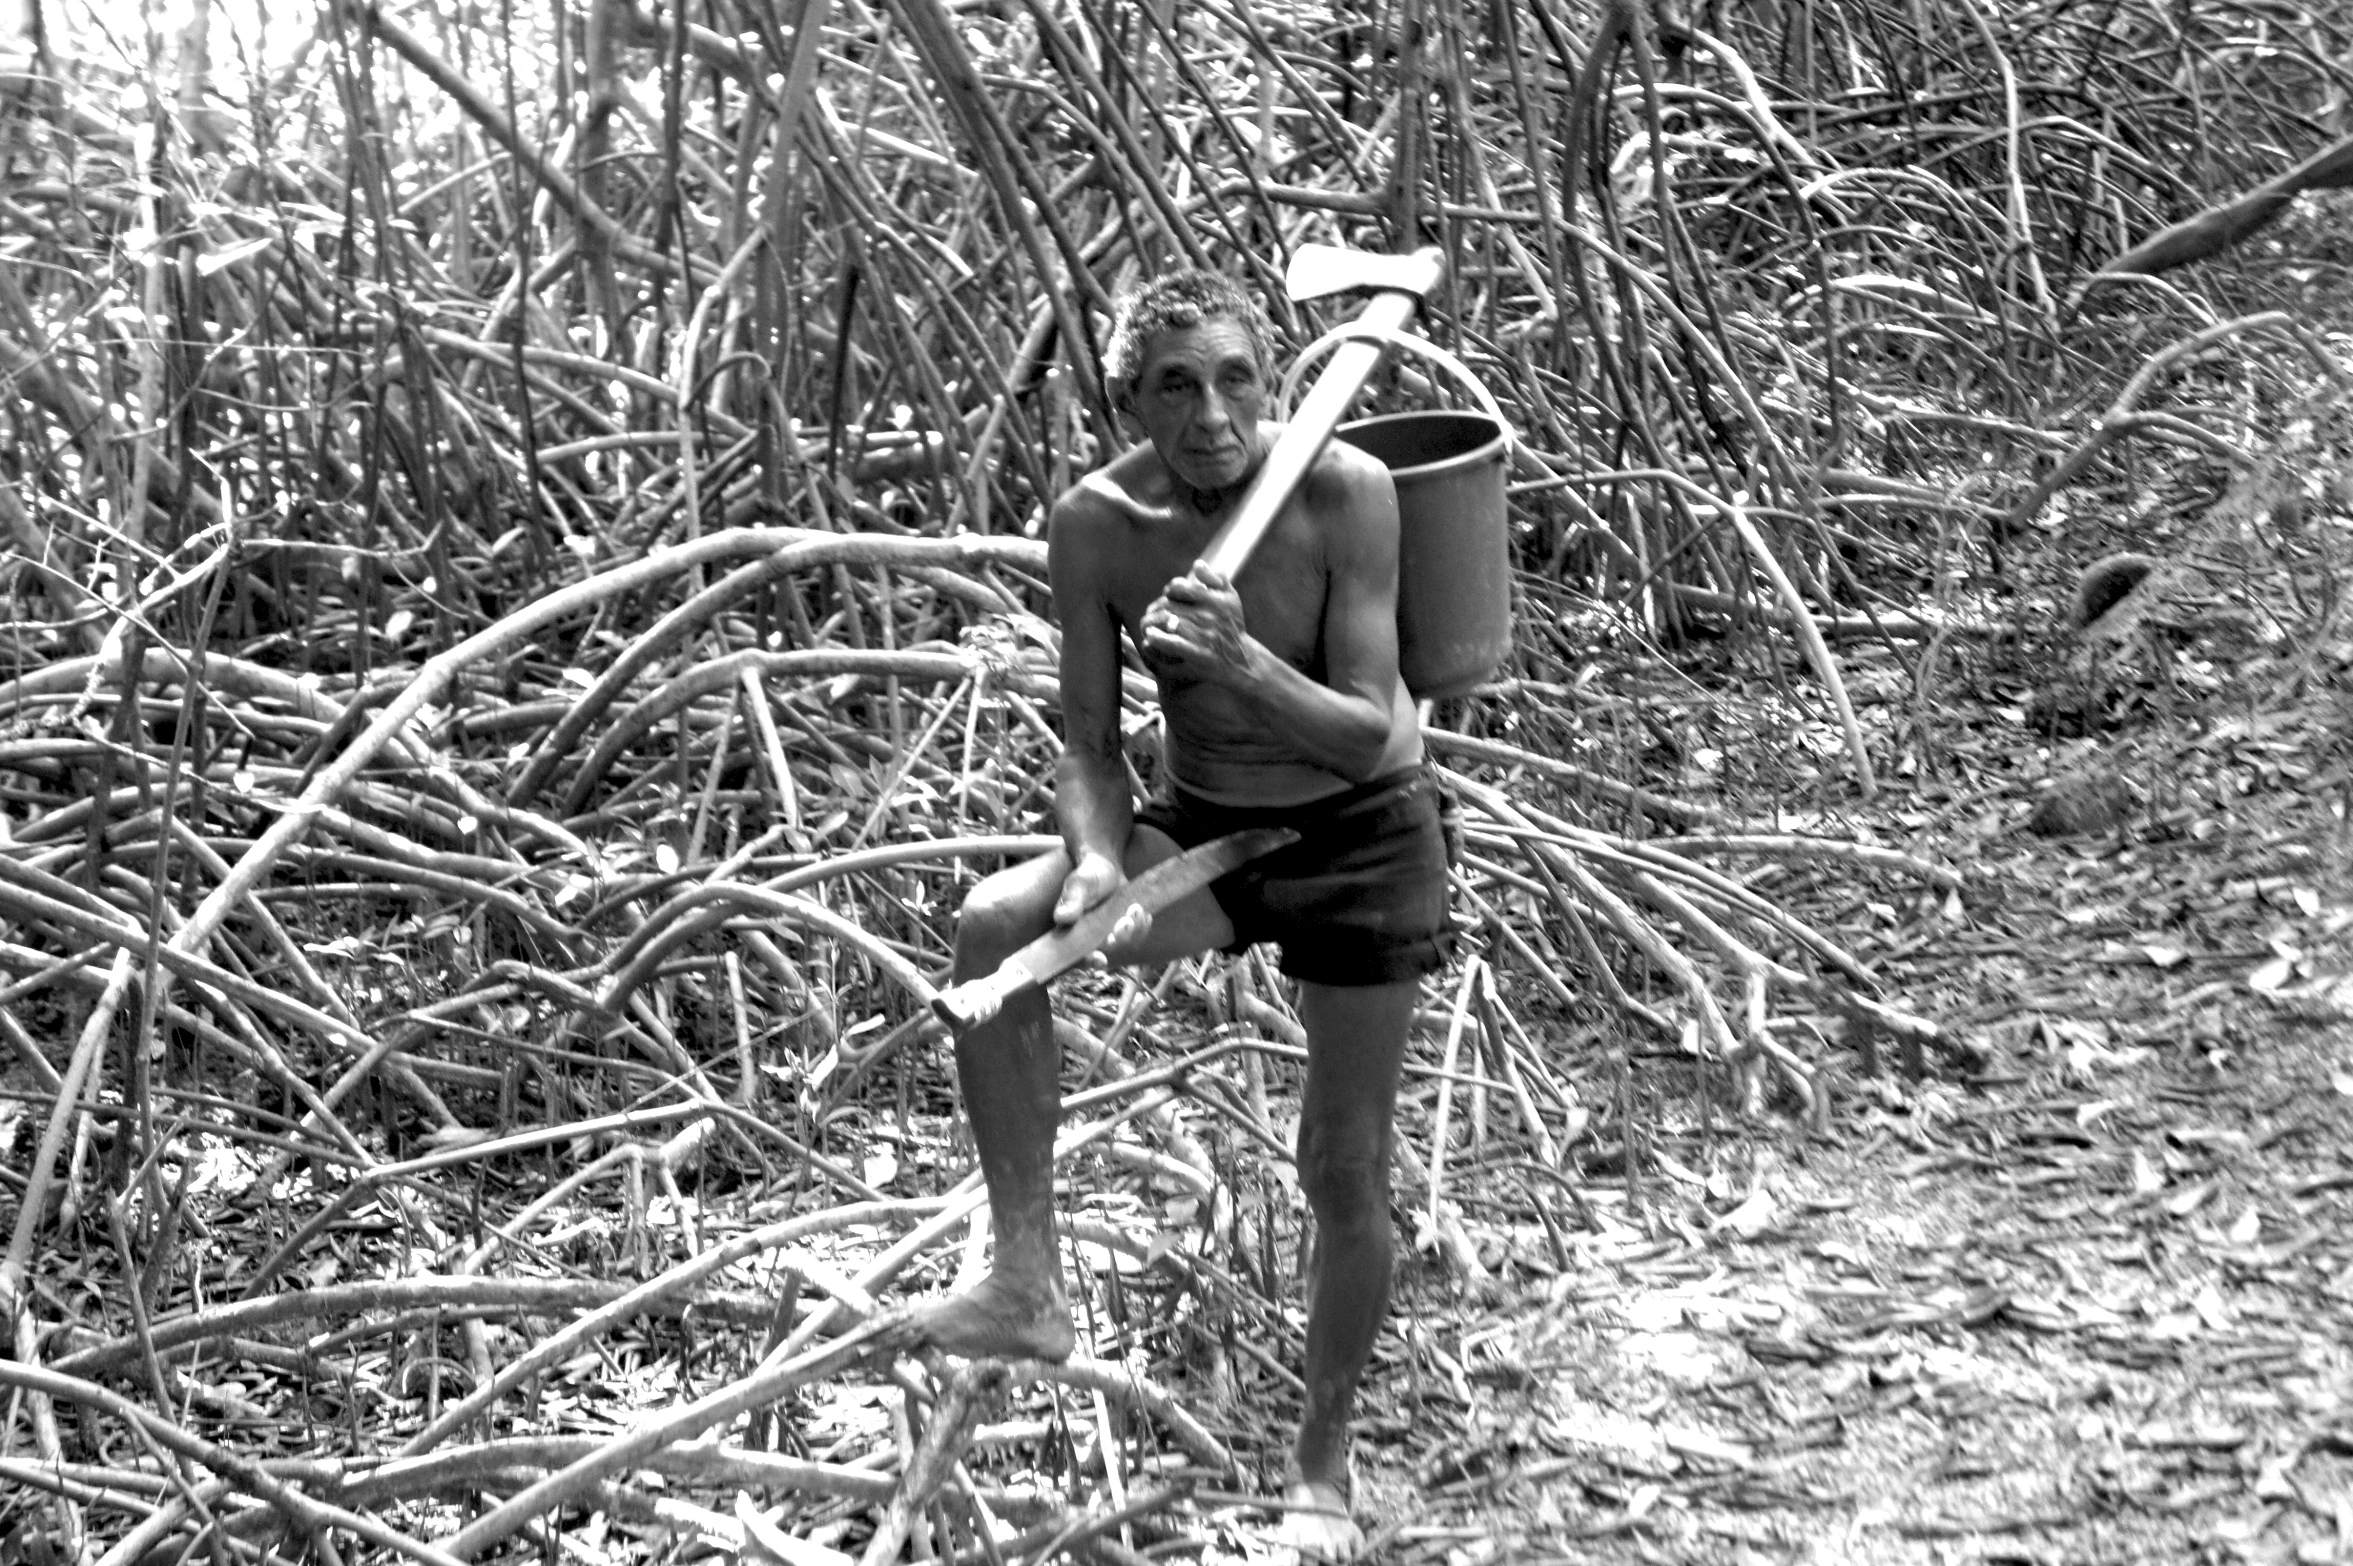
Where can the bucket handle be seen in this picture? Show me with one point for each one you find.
(1359, 331)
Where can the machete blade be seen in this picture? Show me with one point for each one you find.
(1063, 948)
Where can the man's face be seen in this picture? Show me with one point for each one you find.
(1199, 399)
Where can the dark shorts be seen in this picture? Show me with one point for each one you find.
(1360, 899)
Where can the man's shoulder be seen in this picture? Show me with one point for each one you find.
(1342, 466)
(1350, 495)
(1129, 483)
(1091, 532)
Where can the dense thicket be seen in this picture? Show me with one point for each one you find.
(524, 581)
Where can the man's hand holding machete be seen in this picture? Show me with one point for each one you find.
(1299, 812)
(1107, 926)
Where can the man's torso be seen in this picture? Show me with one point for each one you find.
(1148, 532)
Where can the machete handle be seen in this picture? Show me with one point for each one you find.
(976, 1001)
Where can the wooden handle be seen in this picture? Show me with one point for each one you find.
(1304, 438)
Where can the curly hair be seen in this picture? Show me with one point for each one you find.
(1172, 302)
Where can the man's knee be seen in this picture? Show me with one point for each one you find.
(1004, 913)
(1345, 1178)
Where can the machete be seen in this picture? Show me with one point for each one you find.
(1058, 951)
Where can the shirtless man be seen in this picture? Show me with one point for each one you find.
(1283, 707)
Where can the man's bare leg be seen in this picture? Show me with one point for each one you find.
(1356, 1048)
(1009, 1070)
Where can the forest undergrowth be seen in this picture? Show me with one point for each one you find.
(526, 613)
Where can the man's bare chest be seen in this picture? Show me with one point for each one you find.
(1283, 589)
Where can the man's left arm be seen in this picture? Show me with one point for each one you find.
(1347, 721)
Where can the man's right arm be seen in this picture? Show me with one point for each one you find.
(1091, 799)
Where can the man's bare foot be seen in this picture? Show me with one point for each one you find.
(997, 1320)
(1317, 1525)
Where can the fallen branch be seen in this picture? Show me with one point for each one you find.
(2226, 223)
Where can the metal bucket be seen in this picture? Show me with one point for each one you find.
(1453, 545)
